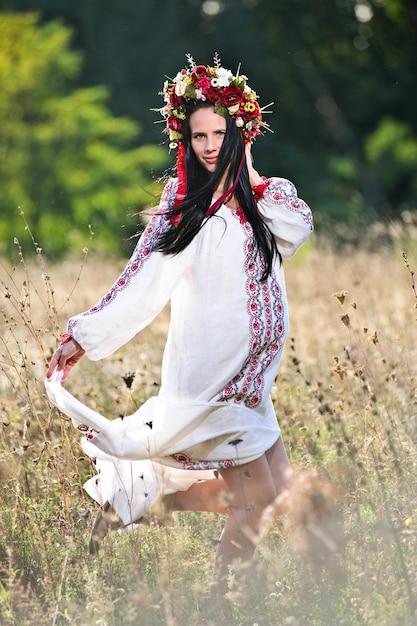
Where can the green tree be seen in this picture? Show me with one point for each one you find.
(335, 69)
(65, 161)
(342, 66)
(392, 150)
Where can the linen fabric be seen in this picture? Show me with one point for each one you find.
(225, 341)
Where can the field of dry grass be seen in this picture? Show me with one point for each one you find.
(346, 399)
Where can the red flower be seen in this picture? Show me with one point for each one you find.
(255, 113)
(199, 72)
(174, 100)
(175, 124)
(230, 95)
(203, 83)
(213, 93)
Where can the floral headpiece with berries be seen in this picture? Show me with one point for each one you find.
(229, 94)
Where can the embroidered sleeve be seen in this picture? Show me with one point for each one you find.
(138, 295)
(288, 217)
(168, 195)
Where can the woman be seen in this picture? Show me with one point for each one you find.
(209, 441)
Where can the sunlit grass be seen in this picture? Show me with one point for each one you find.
(346, 399)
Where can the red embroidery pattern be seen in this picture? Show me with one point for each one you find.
(192, 464)
(241, 215)
(282, 190)
(88, 431)
(267, 329)
(142, 251)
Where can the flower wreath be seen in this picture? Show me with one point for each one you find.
(230, 95)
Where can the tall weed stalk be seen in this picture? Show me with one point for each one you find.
(346, 400)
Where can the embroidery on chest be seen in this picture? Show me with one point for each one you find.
(265, 311)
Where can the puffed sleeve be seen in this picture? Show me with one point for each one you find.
(288, 217)
(138, 295)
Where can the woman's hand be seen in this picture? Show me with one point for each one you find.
(65, 357)
(254, 178)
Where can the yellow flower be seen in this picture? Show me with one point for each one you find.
(249, 107)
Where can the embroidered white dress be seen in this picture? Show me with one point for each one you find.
(225, 341)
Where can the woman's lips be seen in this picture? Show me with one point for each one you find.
(210, 160)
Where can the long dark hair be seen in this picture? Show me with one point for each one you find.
(201, 185)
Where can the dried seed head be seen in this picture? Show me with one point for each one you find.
(341, 296)
(346, 320)
(128, 379)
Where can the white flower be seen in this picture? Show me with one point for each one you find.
(180, 88)
(199, 94)
(239, 122)
(233, 109)
(223, 77)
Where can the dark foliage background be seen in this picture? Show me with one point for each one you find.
(341, 75)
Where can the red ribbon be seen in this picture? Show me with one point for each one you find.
(216, 205)
(182, 184)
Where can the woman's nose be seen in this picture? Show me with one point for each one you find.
(209, 144)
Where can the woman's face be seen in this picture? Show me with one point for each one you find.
(207, 130)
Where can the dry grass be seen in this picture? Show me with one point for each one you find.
(346, 399)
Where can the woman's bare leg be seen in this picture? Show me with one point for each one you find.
(251, 488)
(213, 495)
(281, 473)
(243, 492)
(210, 495)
